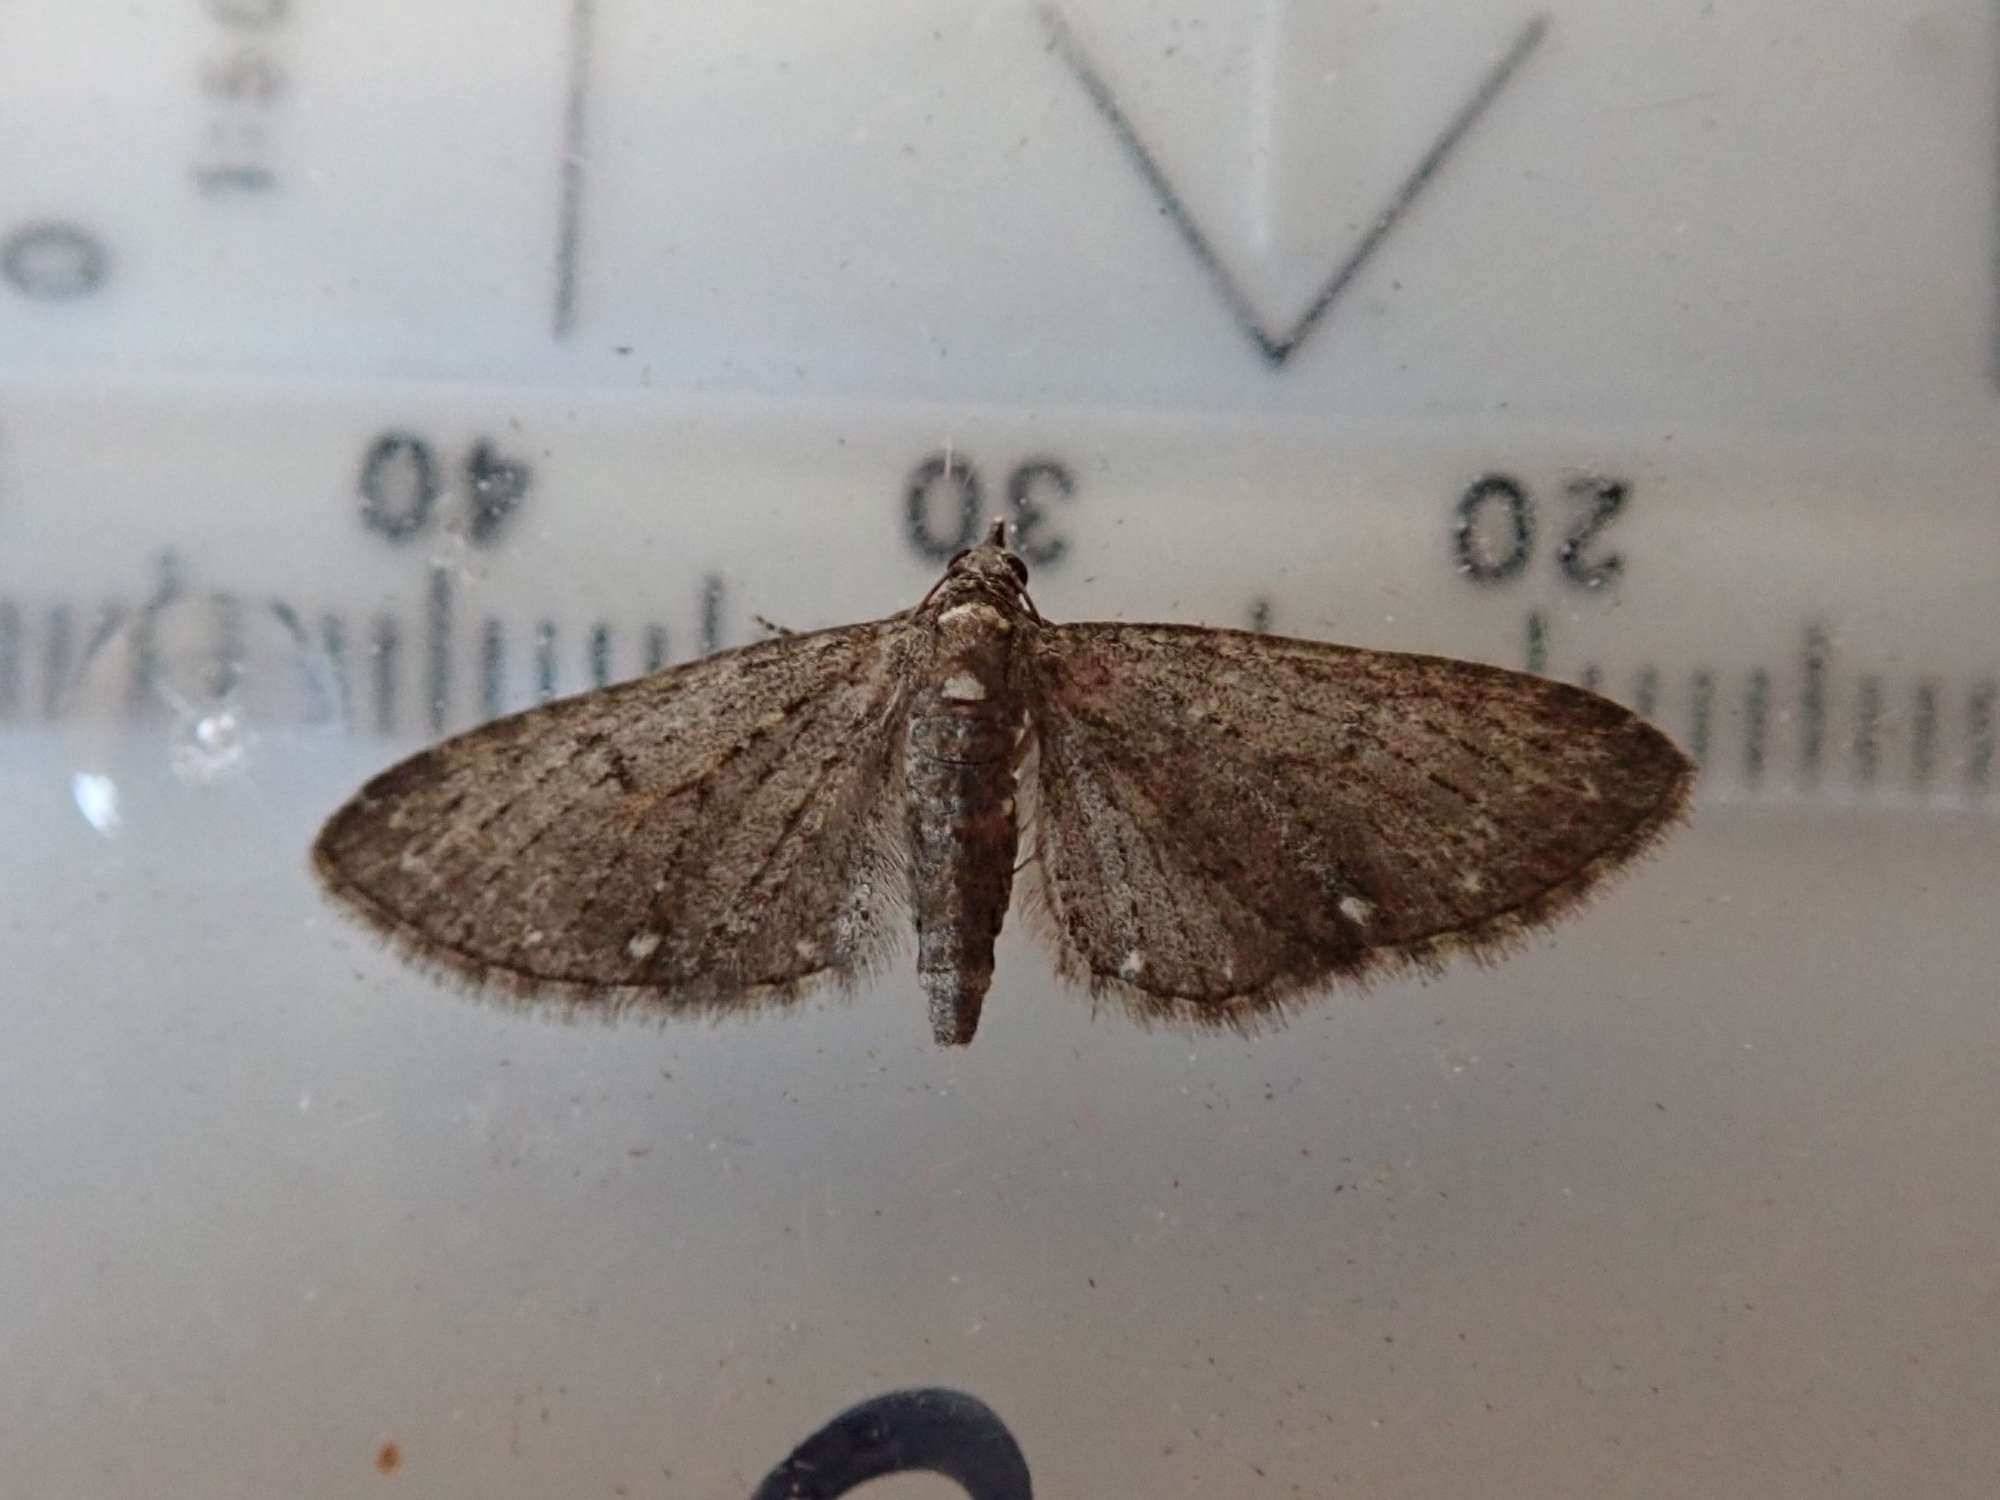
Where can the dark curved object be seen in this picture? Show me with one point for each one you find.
(944, 1432)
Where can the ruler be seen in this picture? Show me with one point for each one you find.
(425, 558)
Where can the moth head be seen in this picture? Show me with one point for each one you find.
(990, 567)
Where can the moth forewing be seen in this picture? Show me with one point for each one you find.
(1273, 815)
(707, 838)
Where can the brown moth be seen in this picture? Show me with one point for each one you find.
(1217, 822)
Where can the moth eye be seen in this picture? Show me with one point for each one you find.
(1020, 568)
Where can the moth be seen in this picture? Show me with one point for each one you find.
(1215, 823)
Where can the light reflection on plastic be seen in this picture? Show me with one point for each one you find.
(97, 799)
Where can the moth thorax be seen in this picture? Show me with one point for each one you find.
(976, 618)
(968, 668)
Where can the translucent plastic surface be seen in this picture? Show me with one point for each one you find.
(369, 370)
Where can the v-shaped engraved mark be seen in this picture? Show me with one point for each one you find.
(1276, 348)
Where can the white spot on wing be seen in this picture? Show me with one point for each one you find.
(1357, 910)
(963, 687)
(1134, 965)
(643, 944)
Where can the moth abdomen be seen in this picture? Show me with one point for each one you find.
(962, 747)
